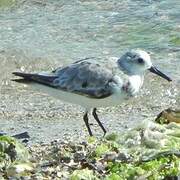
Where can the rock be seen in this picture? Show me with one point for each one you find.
(123, 157)
(16, 170)
(100, 167)
(78, 156)
(66, 159)
(110, 156)
(23, 135)
(167, 116)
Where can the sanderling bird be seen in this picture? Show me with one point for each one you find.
(90, 84)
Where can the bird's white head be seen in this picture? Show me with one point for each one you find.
(136, 62)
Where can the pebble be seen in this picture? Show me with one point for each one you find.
(110, 156)
(78, 156)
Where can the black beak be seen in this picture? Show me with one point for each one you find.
(156, 71)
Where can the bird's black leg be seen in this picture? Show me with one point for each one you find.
(85, 117)
(98, 121)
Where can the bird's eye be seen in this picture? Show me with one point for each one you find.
(140, 60)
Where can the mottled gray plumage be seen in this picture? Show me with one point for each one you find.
(86, 77)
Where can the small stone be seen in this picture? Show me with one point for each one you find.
(84, 143)
(100, 167)
(78, 156)
(79, 148)
(110, 156)
(66, 159)
(25, 141)
(123, 157)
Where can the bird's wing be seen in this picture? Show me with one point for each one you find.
(82, 77)
(86, 78)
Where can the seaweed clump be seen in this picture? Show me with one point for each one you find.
(149, 151)
(14, 158)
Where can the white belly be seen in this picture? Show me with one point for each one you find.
(84, 101)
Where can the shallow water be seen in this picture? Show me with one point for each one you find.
(76, 29)
(42, 34)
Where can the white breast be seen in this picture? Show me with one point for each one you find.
(135, 81)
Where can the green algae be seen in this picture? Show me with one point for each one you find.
(7, 3)
(153, 148)
(148, 151)
(83, 174)
(14, 157)
(175, 40)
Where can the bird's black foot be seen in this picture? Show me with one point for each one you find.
(85, 117)
(98, 121)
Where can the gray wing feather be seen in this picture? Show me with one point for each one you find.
(85, 77)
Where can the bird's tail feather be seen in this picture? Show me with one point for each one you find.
(46, 79)
(25, 76)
